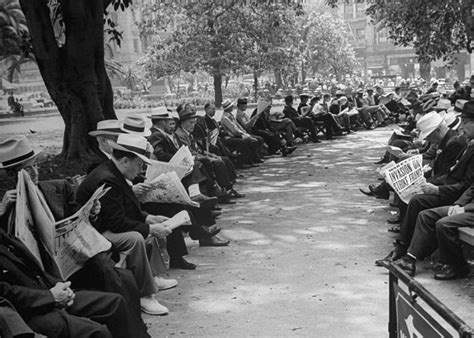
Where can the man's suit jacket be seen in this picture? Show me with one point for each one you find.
(184, 138)
(163, 147)
(451, 146)
(60, 197)
(291, 113)
(22, 281)
(120, 208)
(460, 176)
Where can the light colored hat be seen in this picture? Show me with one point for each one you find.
(134, 144)
(160, 113)
(107, 127)
(135, 125)
(428, 123)
(429, 105)
(227, 104)
(342, 100)
(15, 151)
(452, 119)
(443, 104)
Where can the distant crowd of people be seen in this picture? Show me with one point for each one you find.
(442, 131)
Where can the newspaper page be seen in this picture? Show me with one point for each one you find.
(156, 168)
(167, 188)
(76, 240)
(213, 135)
(305, 110)
(181, 218)
(183, 157)
(24, 224)
(406, 177)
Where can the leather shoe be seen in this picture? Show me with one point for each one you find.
(259, 161)
(216, 213)
(392, 256)
(394, 229)
(216, 208)
(244, 166)
(254, 165)
(453, 272)
(181, 263)
(379, 191)
(394, 220)
(382, 160)
(408, 264)
(205, 201)
(365, 192)
(213, 241)
(234, 194)
(204, 232)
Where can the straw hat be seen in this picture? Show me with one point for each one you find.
(428, 123)
(227, 104)
(135, 144)
(160, 114)
(107, 127)
(15, 151)
(135, 125)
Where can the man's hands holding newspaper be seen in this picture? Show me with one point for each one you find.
(429, 188)
(62, 294)
(156, 228)
(455, 209)
(141, 188)
(8, 199)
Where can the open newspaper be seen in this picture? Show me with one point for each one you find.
(182, 163)
(65, 245)
(406, 177)
(167, 188)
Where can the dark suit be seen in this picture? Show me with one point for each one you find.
(11, 323)
(300, 121)
(26, 286)
(457, 180)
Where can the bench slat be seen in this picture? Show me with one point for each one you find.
(467, 235)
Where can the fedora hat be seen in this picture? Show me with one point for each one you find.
(160, 113)
(452, 119)
(428, 123)
(468, 110)
(242, 100)
(227, 104)
(15, 151)
(135, 144)
(107, 127)
(459, 105)
(135, 125)
(185, 114)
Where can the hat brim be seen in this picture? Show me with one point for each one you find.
(35, 154)
(95, 133)
(145, 133)
(151, 117)
(119, 147)
(424, 134)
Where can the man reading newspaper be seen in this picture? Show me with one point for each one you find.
(17, 154)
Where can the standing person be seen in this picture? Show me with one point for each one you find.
(122, 220)
(11, 101)
(299, 120)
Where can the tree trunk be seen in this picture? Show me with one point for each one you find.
(425, 69)
(218, 89)
(255, 84)
(278, 79)
(74, 73)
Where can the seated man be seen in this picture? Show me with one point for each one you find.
(236, 138)
(247, 123)
(121, 219)
(299, 120)
(438, 227)
(48, 305)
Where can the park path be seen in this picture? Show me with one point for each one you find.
(303, 243)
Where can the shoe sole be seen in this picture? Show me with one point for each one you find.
(168, 287)
(154, 313)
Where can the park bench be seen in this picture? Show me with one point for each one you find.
(467, 235)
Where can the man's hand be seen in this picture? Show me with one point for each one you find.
(413, 152)
(8, 199)
(429, 188)
(455, 209)
(159, 230)
(95, 211)
(62, 294)
(152, 219)
(141, 188)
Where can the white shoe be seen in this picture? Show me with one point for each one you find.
(165, 284)
(151, 306)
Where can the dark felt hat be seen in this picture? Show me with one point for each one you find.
(468, 110)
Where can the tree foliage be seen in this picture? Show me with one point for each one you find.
(14, 37)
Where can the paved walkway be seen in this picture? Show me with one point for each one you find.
(301, 258)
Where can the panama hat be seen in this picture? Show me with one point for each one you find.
(135, 125)
(135, 144)
(15, 151)
(452, 119)
(185, 114)
(160, 113)
(227, 104)
(428, 123)
(107, 127)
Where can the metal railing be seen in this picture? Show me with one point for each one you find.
(396, 275)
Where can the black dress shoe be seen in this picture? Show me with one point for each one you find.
(380, 191)
(287, 150)
(244, 166)
(254, 165)
(213, 241)
(392, 256)
(204, 232)
(216, 213)
(316, 141)
(408, 264)
(216, 208)
(395, 229)
(259, 161)
(382, 160)
(394, 220)
(181, 263)
(234, 194)
(453, 272)
(366, 192)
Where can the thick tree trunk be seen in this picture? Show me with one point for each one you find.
(74, 73)
(217, 89)
(255, 84)
(278, 79)
(425, 69)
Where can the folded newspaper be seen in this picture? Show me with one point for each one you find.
(181, 218)
(406, 177)
(68, 243)
(167, 188)
(182, 163)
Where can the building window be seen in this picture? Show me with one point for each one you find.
(360, 34)
(382, 36)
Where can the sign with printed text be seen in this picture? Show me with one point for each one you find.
(413, 321)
